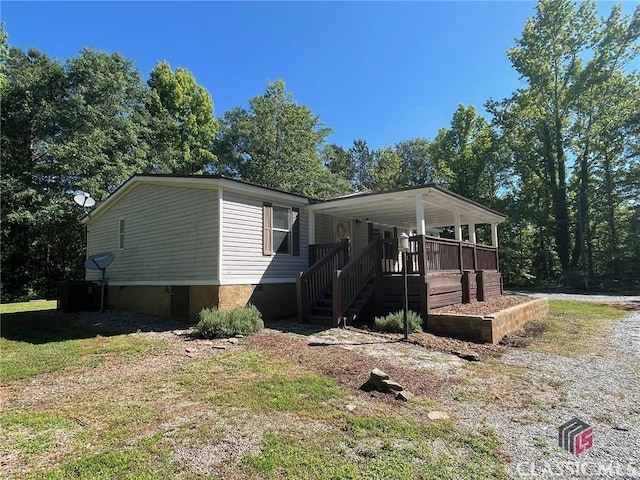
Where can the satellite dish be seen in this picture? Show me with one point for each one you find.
(84, 199)
(99, 261)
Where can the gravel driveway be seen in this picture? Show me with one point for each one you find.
(526, 396)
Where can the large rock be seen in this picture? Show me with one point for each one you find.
(380, 381)
(392, 385)
(376, 377)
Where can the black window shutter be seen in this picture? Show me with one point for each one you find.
(295, 231)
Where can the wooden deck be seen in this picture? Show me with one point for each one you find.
(337, 289)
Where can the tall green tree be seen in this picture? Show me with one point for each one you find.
(417, 161)
(573, 66)
(32, 119)
(77, 126)
(182, 122)
(104, 139)
(340, 162)
(277, 143)
(363, 159)
(468, 158)
(387, 171)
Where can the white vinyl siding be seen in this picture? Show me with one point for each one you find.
(360, 236)
(324, 229)
(170, 234)
(243, 261)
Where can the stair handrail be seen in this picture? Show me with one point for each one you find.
(351, 280)
(314, 282)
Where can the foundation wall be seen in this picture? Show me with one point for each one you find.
(152, 300)
(490, 328)
(273, 300)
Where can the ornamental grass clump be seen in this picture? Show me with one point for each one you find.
(216, 323)
(394, 322)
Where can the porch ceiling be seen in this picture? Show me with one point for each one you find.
(398, 208)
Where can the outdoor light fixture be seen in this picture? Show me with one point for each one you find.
(403, 242)
(403, 247)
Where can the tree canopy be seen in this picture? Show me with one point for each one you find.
(560, 155)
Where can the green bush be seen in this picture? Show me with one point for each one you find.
(394, 322)
(216, 323)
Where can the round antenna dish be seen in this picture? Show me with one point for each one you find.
(84, 200)
(99, 261)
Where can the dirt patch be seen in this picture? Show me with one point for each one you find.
(493, 305)
(628, 306)
(350, 369)
(524, 336)
(455, 346)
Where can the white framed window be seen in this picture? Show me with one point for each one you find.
(121, 234)
(281, 230)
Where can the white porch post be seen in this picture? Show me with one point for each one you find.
(457, 226)
(472, 233)
(312, 227)
(494, 234)
(420, 225)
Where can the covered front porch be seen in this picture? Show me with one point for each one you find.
(350, 278)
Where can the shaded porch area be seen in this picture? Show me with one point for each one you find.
(339, 290)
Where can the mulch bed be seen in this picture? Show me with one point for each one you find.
(493, 305)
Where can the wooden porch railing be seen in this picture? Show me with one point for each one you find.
(351, 280)
(432, 254)
(317, 252)
(312, 284)
(487, 258)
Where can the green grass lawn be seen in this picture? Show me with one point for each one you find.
(575, 328)
(36, 339)
(131, 425)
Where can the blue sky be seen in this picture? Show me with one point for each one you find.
(382, 71)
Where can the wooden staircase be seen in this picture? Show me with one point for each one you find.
(322, 311)
(337, 299)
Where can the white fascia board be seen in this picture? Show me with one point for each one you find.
(470, 211)
(366, 199)
(212, 183)
(264, 193)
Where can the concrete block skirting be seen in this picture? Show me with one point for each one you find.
(276, 300)
(488, 328)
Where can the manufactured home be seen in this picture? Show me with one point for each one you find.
(186, 242)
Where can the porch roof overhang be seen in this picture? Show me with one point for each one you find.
(399, 208)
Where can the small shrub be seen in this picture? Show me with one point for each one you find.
(394, 322)
(216, 323)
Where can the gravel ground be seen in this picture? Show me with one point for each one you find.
(585, 298)
(523, 397)
(547, 390)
